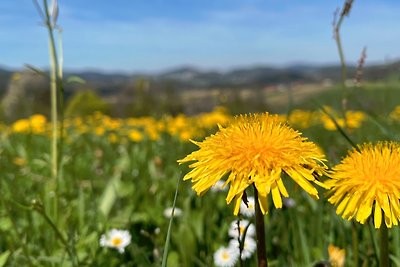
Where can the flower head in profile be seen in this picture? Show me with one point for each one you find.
(117, 239)
(256, 150)
(366, 181)
(226, 257)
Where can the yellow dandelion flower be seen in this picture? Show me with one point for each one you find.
(99, 130)
(366, 180)
(395, 114)
(38, 123)
(135, 135)
(256, 149)
(337, 256)
(21, 126)
(113, 138)
(19, 161)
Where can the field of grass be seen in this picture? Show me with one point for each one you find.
(123, 173)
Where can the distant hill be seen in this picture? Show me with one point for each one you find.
(5, 76)
(186, 78)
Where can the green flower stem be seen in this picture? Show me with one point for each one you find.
(260, 233)
(374, 242)
(384, 240)
(355, 242)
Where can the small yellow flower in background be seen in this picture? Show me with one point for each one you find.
(117, 239)
(38, 123)
(368, 180)
(21, 126)
(395, 114)
(256, 149)
(354, 119)
(135, 135)
(99, 130)
(113, 138)
(19, 161)
(302, 118)
(337, 256)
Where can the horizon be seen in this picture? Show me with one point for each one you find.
(201, 69)
(223, 35)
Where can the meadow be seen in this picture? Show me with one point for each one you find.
(82, 188)
(123, 173)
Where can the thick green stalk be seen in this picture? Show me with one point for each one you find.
(384, 240)
(260, 233)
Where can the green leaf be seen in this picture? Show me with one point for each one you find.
(109, 195)
(4, 257)
(36, 70)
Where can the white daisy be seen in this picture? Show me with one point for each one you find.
(168, 212)
(219, 186)
(233, 229)
(117, 239)
(225, 257)
(249, 247)
(249, 209)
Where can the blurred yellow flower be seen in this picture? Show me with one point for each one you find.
(256, 149)
(19, 161)
(337, 256)
(354, 119)
(368, 179)
(302, 118)
(21, 126)
(135, 135)
(395, 114)
(38, 123)
(113, 138)
(99, 130)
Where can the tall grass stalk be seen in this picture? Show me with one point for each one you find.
(167, 239)
(345, 12)
(55, 73)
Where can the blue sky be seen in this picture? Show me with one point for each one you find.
(154, 35)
